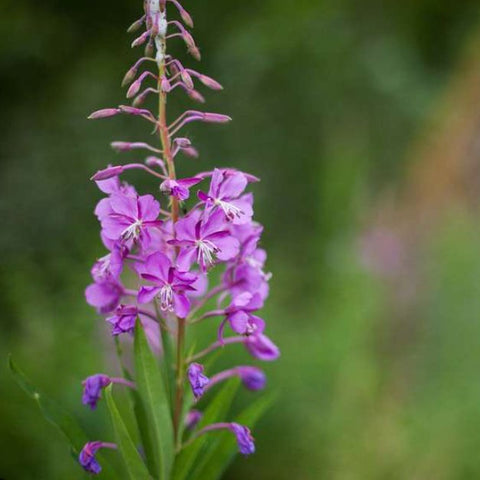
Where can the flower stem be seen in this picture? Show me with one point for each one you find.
(174, 208)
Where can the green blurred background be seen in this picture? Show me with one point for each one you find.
(363, 120)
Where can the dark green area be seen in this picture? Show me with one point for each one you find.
(326, 96)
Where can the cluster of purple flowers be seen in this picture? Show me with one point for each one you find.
(165, 256)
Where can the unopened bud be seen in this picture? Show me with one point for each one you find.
(210, 82)
(105, 113)
(141, 39)
(149, 50)
(196, 96)
(183, 142)
(134, 88)
(129, 76)
(187, 79)
(165, 84)
(186, 17)
(190, 152)
(107, 173)
(216, 118)
(195, 53)
(136, 25)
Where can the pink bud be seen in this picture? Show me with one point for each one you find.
(154, 162)
(107, 173)
(188, 39)
(210, 82)
(121, 146)
(216, 118)
(165, 84)
(190, 152)
(195, 52)
(105, 113)
(129, 76)
(187, 79)
(136, 25)
(141, 39)
(149, 50)
(134, 88)
(196, 96)
(183, 142)
(134, 111)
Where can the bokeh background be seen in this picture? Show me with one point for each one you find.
(363, 121)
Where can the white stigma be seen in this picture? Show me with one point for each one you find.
(166, 298)
(132, 232)
(231, 211)
(206, 252)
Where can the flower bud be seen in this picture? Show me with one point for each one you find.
(190, 152)
(245, 442)
(210, 82)
(196, 96)
(252, 378)
(192, 418)
(198, 381)
(187, 79)
(215, 118)
(134, 88)
(107, 173)
(165, 84)
(105, 113)
(149, 49)
(129, 76)
(183, 142)
(141, 39)
(195, 52)
(136, 25)
(261, 347)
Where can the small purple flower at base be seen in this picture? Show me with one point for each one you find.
(245, 441)
(198, 381)
(192, 419)
(87, 459)
(252, 378)
(92, 389)
(261, 347)
(123, 320)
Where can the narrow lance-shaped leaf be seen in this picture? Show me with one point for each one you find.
(60, 418)
(135, 467)
(156, 402)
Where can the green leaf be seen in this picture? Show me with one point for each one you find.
(135, 467)
(223, 448)
(60, 418)
(215, 412)
(151, 388)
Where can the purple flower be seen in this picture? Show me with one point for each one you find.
(192, 419)
(92, 389)
(123, 320)
(198, 381)
(169, 284)
(109, 267)
(252, 378)
(239, 315)
(179, 188)
(245, 441)
(128, 218)
(104, 296)
(261, 347)
(224, 193)
(87, 456)
(201, 240)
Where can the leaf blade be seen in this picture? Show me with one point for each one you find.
(135, 467)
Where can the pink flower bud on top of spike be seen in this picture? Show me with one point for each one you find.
(104, 113)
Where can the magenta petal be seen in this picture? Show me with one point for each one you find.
(233, 186)
(147, 293)
(229, 248)
(149, 208)
(239, 322)
(186, 258)
(181, 305)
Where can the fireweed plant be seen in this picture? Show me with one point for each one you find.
(155, 281)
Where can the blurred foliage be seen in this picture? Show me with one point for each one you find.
(326, 96)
